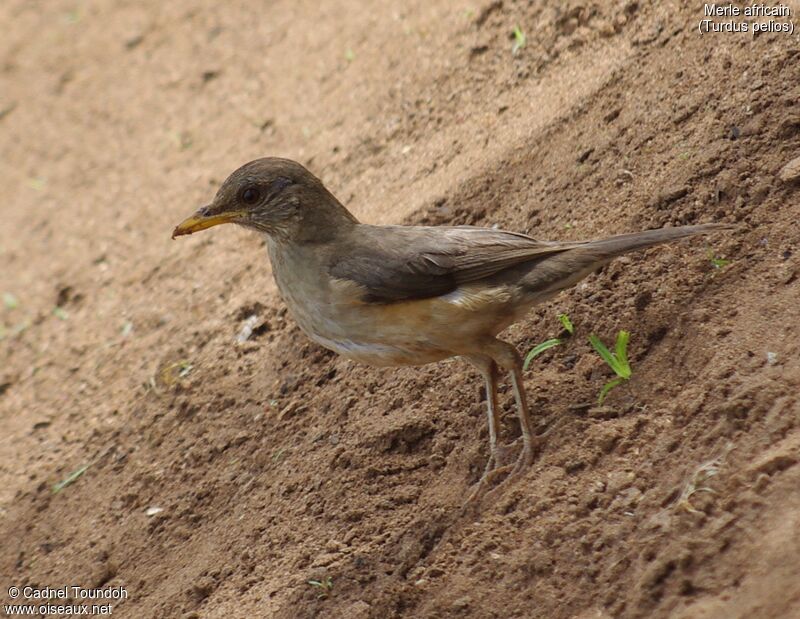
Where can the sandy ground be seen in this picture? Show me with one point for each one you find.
(272, 462)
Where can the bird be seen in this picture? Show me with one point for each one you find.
(396, 295)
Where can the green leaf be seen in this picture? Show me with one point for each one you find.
(624, 370)
(519, 40)
(539, 349)
(324, 586)
(606, 388)
(69, 479)
(601, 349)
(717, 261)
(59, 313)
(619, 362)
(567, 323)
(10, 301)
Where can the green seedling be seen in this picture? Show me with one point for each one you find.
(717, 261)
(617, 361)
(60, 313)
(548, 344)
(539, 349)
(519, 40)
(182, 140)
(324, 586)
(10, 301)
(182, 368)
(69, 479)
(349, 55)
(37, 183)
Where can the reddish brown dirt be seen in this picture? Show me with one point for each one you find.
(274, 461)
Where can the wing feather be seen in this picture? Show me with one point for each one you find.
(396, 263)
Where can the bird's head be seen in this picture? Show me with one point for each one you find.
(276, 196)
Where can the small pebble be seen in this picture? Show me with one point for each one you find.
(791, 171)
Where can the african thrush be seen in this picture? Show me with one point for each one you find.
(408, 295)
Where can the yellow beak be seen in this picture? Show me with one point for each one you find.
(201, 221)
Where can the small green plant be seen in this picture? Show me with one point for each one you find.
(716, 260)
(519, 40)
(37, 183)
(617, 361)
(324, 586)
(10, 301)
(69, 479)
(548, 344)
(539, 349)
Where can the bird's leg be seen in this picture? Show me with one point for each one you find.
(507, 357)
(526, 456)
(488, 369)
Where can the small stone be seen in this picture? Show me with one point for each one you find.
(668, 195)
(791, 171)
(333, 546)
(358, 610)
(603, 412)
(774, 463)
(462, 602)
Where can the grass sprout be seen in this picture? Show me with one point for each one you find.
(617, 361)
(324, 586)
(716, 260)
(519, 40)
(10, 301)
(69, 479)
(539, 349)
(172, 372)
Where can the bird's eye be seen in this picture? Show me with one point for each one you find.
(251, 195)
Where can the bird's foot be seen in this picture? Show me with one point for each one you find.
(484, 484)
(500, 464)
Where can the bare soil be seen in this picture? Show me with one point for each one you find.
(274, 462)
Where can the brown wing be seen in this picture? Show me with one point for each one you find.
(395, 263)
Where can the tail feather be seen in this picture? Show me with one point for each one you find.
(605, 249)
(565, 269)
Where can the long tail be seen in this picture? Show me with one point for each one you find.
(565, 269)
(613, 246)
